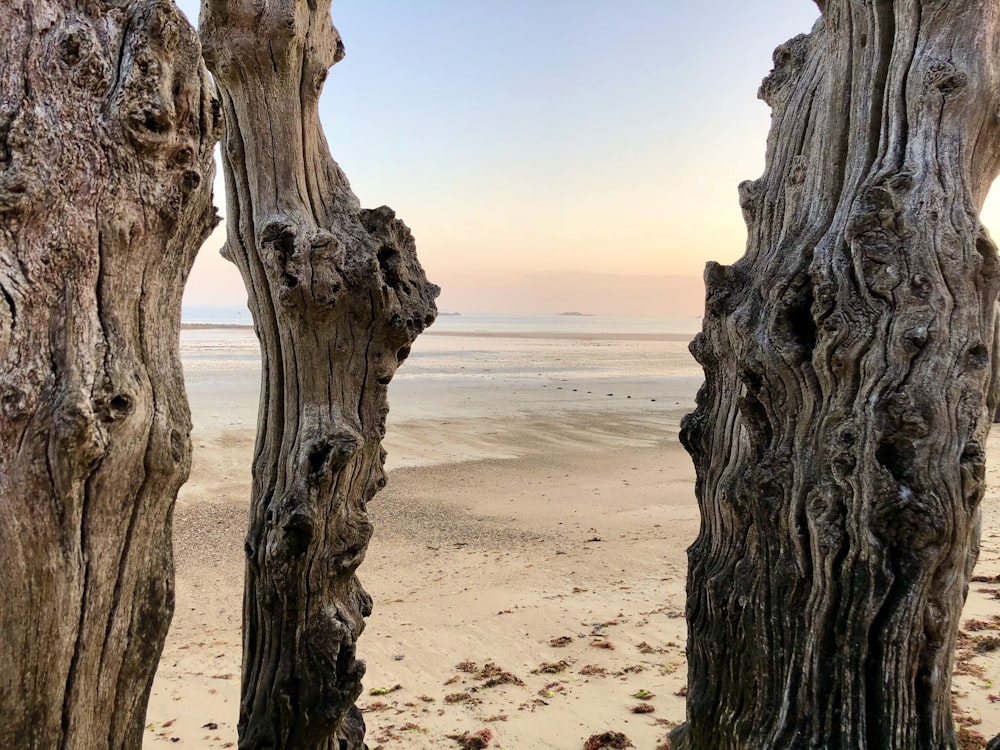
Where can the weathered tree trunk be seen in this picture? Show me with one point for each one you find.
(337, 297)
(839, 435)
(107, 124)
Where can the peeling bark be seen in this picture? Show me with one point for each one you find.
(107, 124)
(337, 297)
(850, 384)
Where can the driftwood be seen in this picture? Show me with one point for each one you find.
(851, 379)
(107, 124)
(337, 298)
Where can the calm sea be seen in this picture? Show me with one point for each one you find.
(493, 322)
(536, 360)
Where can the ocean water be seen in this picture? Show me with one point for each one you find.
(228, 315)
(471, 366)
(485, 346)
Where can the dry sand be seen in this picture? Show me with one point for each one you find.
(548, 541)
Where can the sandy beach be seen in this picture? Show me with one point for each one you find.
(528, 565)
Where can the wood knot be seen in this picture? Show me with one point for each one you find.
(277, 241)
(332, 452)
(753, 409)
(322, 238)
(875, 239)
(904, 416)
(76, 442)
(280, 231)
(973, 453)
(702, 350)
(989, 264)
(833, 323)
(404, 286)
(190, 179)
(920, 285)
(916, 338)
(13, 194)
(178, 446)
(182, 157)
(788, 61)
(303, 259)
(6, 120)
(903, 517)
(750, 192)
(78, 52)
(339, 51)
(945, 77)
(900, 182)
(973, 471)
(798, 171)
(843, 449)
(69, 47)
(346, 552)
(723, 285)
(377, 480)
(401, 329)
(896, 454)
(391, 265)
(881, 278)
(877, 206)
(296, 530)
(14, 401)
(824, 301)
(318, 79)
(148, 123)
(217, 120)
(111, 409)
(794, 323)
(840, 361)
(825, 511)
(977, 357)
(694, 427)
(327, 677)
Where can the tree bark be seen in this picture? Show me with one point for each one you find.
(851, 380)
(107, 124)
(337, 297)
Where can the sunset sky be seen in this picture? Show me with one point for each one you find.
(550, 154)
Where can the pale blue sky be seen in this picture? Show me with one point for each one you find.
(529, 141)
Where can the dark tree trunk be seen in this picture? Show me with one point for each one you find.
(839, 435)
(337, 297)
(107, 124)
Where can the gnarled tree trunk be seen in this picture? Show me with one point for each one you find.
(337, 297)
(838, 438)
(107, 124)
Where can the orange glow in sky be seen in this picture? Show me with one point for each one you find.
(567, 154)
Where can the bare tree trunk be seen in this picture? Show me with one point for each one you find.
(337, 297)
(107, 124)
(839, 435)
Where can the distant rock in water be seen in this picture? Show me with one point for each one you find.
(578, 314)
(446, 313)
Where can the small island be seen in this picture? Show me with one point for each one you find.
(578, 314)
